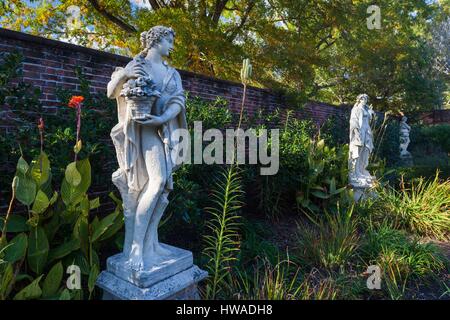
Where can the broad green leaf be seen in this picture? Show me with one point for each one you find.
(16, 223)
(22, 166)
(72, 175)
(41, 202)
(40, 169)
(72, 195)
(32, 291)
(37, 249)
(103, 225)
(114, 228)
(53, 280)
(63, 250)
(17, 248)
(26, 190)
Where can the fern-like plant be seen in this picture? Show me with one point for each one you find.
(222, 243)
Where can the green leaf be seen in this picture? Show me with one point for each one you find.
(72, 175)
(16, 223)
(32, 291)
(103, 225)
(22, 166)
(37, 249)
(63, 250)
(54, 198)
(320, 194)
(41, 202)
(5, 279)
(114, 228)
(95, 203)
(92, 277)
(41, 177)
(26, 190)
(53, 280)
(72, 195)
(81, 232)
(65, 295)
(17, 248)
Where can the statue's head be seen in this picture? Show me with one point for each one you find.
(159, 38)
(404, 119)
(362, 99)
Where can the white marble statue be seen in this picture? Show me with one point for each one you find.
(361, 143)
(151, 105)
(404, 138)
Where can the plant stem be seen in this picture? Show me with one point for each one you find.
(8, 213)
(78, 127)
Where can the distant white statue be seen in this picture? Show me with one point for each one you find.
(151, 105)
(361, 143)
(404, 138)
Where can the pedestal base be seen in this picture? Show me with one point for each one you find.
(174, 277)
(182, 286)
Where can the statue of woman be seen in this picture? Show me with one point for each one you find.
(404, 137)
(361, 142)
(144, 147)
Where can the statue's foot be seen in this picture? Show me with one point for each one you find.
(135, 260)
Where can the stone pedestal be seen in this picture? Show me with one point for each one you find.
(175, 278)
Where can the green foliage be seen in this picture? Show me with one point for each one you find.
(403, 261)
(430, 145)
(421, 207)
(59, 232)
(331, 243)
(222, 241)
(59, 136)
(320, 50)
(281, 281)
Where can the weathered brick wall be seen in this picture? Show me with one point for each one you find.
(49, 64)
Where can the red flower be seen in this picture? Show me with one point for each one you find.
(75, 101)
(41, 124)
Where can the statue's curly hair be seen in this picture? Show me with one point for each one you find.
(151, 37)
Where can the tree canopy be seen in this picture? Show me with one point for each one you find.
(317, 50)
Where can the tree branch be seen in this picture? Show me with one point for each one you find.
(244, 18)
(219, 7)
(117, 21)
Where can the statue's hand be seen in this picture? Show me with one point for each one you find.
(152, 121)
(135, 71)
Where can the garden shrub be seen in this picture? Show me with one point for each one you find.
(59, 231)
(421, 207)
(330, 243)
(402, 259)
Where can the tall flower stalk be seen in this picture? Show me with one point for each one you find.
(76, 103)
(223, 243)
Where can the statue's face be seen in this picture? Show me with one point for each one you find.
(165, 46)
(364, 100)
